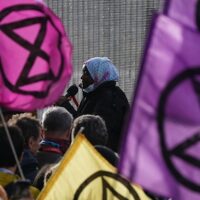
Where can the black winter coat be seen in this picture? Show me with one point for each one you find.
(109, 102)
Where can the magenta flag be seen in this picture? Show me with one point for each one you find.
(161, 150)
(185, 12)
(35, 55)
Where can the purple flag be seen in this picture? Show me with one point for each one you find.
(35, 55)
(161, 150)
(185, 12)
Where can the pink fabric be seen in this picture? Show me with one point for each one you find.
(35, 55)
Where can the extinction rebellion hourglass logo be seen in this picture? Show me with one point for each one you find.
(46, 25)
(179, 150)
(106, 187)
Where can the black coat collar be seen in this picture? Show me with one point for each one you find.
(107, 84)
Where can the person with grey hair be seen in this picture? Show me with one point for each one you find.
(56, 123)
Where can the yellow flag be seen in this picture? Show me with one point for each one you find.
(84, 174)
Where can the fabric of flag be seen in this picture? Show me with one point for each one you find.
(84, 174)
(35, 55)
(161, 148)
(185, 12)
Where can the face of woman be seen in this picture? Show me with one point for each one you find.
(86, 77)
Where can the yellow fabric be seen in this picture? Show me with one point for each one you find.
(81, 162)
(6, 178)
(34, 191)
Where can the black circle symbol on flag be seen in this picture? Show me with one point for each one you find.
(106, 186)
(35, 50)
(179, 150)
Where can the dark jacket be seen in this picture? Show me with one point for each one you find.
(109, 102)
(29, 165)
(51, 151)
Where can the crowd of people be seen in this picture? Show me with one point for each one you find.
(40, 144)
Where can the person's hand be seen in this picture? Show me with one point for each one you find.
(61, 100)
(3, 194)
(65, 103)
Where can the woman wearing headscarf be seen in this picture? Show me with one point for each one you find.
(101, 96)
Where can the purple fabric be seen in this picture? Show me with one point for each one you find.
(35, 55)
(161, 148)
(185, 12)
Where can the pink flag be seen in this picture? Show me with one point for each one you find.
(162, 148)
(35, 55)
(185, 12)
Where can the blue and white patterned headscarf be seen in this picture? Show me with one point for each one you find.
(101, 70)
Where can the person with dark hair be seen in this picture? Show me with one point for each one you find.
(31, 130)
(7, 159)
(93, 127)
(19, 190)
(56, 123)
(8, 165)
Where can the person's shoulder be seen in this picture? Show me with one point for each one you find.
(28, 158)
(119, 90)
(106, 87)
(44, 158)
(119, 93)
(48, 155)
(119, 98)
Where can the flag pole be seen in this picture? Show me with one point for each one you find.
(11, 145)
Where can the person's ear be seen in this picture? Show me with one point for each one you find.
(31, 142)
(42, 133)
(68, 134)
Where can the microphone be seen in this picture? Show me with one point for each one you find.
(71, 92)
